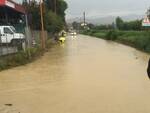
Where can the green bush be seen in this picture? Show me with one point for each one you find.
(53, 22)
(22, 57)
(19, 58)
(99, 35)
(140, 39)
(111, 35)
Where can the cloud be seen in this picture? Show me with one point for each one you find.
(100, 8)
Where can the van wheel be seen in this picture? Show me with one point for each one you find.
(14, 43)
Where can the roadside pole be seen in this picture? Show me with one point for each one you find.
(1, 49)
(42, 25)
(27, 30)
(84, 18)
(27, 33)
(27, 36)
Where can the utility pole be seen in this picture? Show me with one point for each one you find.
(27, 29)
(42, 25)
(84, 21)
(84, 18)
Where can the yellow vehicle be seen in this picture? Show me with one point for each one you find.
(63, 35)
(62, 39)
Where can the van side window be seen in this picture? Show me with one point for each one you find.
(7, 30)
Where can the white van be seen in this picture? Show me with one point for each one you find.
(8, 35)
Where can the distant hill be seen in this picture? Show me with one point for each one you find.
(108, 19)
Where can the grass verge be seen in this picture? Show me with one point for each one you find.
(22, 57)
(137, 39)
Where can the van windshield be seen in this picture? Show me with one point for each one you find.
(13, 29)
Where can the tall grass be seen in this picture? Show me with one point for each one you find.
(19, 58)
(137, 39)
(22, 57)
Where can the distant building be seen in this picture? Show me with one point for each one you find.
(146, 20)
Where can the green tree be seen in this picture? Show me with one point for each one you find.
(53, 22)
(60, 6)
(59, 15)
(119, 23)
(50, 4)
(33, 14)
(132, 25)
(76, 25)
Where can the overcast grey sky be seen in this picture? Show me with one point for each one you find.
(101, 8)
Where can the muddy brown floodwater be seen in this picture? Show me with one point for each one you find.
(85, 75)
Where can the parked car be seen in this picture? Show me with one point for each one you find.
(8, 35)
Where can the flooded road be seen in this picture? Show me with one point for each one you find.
(86, 75)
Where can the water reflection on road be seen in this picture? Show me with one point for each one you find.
(85, 75)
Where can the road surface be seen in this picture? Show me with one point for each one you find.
(85, 75)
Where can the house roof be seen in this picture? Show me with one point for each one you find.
(13, 5)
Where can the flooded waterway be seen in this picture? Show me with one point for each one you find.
(85, 75)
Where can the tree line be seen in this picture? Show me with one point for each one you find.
(53, 13)
(131, 25)
(119, 24)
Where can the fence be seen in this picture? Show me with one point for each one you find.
(37, 36)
